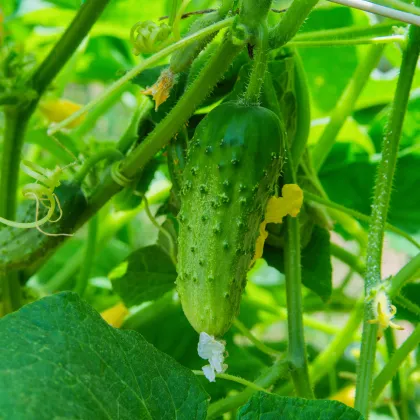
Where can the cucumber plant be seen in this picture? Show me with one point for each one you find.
(258, 211)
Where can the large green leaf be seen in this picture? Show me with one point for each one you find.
(59, 359)
(146, 274)
(272, 407)
(327, 82)
(316, 262)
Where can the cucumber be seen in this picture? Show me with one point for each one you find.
(19, 248)
(233, 164)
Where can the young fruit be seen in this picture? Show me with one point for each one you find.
(234, 160)
(19, 248)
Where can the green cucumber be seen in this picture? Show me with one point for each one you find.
(19, 248)
(234, 161)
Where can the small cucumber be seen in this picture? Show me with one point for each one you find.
(19, 248)
(234, 161)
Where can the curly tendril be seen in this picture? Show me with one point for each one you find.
(148, 36)
(41, 191)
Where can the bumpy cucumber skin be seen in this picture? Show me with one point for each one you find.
(234, 161)
(19, 248)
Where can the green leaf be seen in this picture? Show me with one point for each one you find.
(407, 308)
(353, 172)
(327, 82)
(316, 262)
(59, 359)
(271, 407)
(146, 274)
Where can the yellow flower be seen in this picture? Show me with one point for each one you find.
(346, 395)
(384, 312)
(277, 209)
(57, 110)
(115, 315)
(161, 90)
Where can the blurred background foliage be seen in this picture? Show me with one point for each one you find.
(31, 27)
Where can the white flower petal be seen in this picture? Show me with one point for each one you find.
(209, 373)
(214, 351)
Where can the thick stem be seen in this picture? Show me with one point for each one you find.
(297, 347)
(383, 188)
(391, 368)
(12, 147)
(292, 20)
(90, 251)
(15, 126)
(303, 111)
(259, 68)
(345, 105)
(292, 263)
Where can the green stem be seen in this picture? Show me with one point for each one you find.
(91, 161)
(269, 377)
(233, 378)
(259, 68)
(338, 345)
(348, 258)
(91, 118)
(90, 250)
(303, 111)
(383, 188)
(292, 20)
(161, 229)
(258, 344)
(391, 368)
(335, 349)
(292, 264)
(308, 321)
(297, 347)
(15, 126)
(154, 59)
(357, 215)
(349, 32)
(397, 397)
(345, 105)
(346, 42)
(407, 304)
(406, 273)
